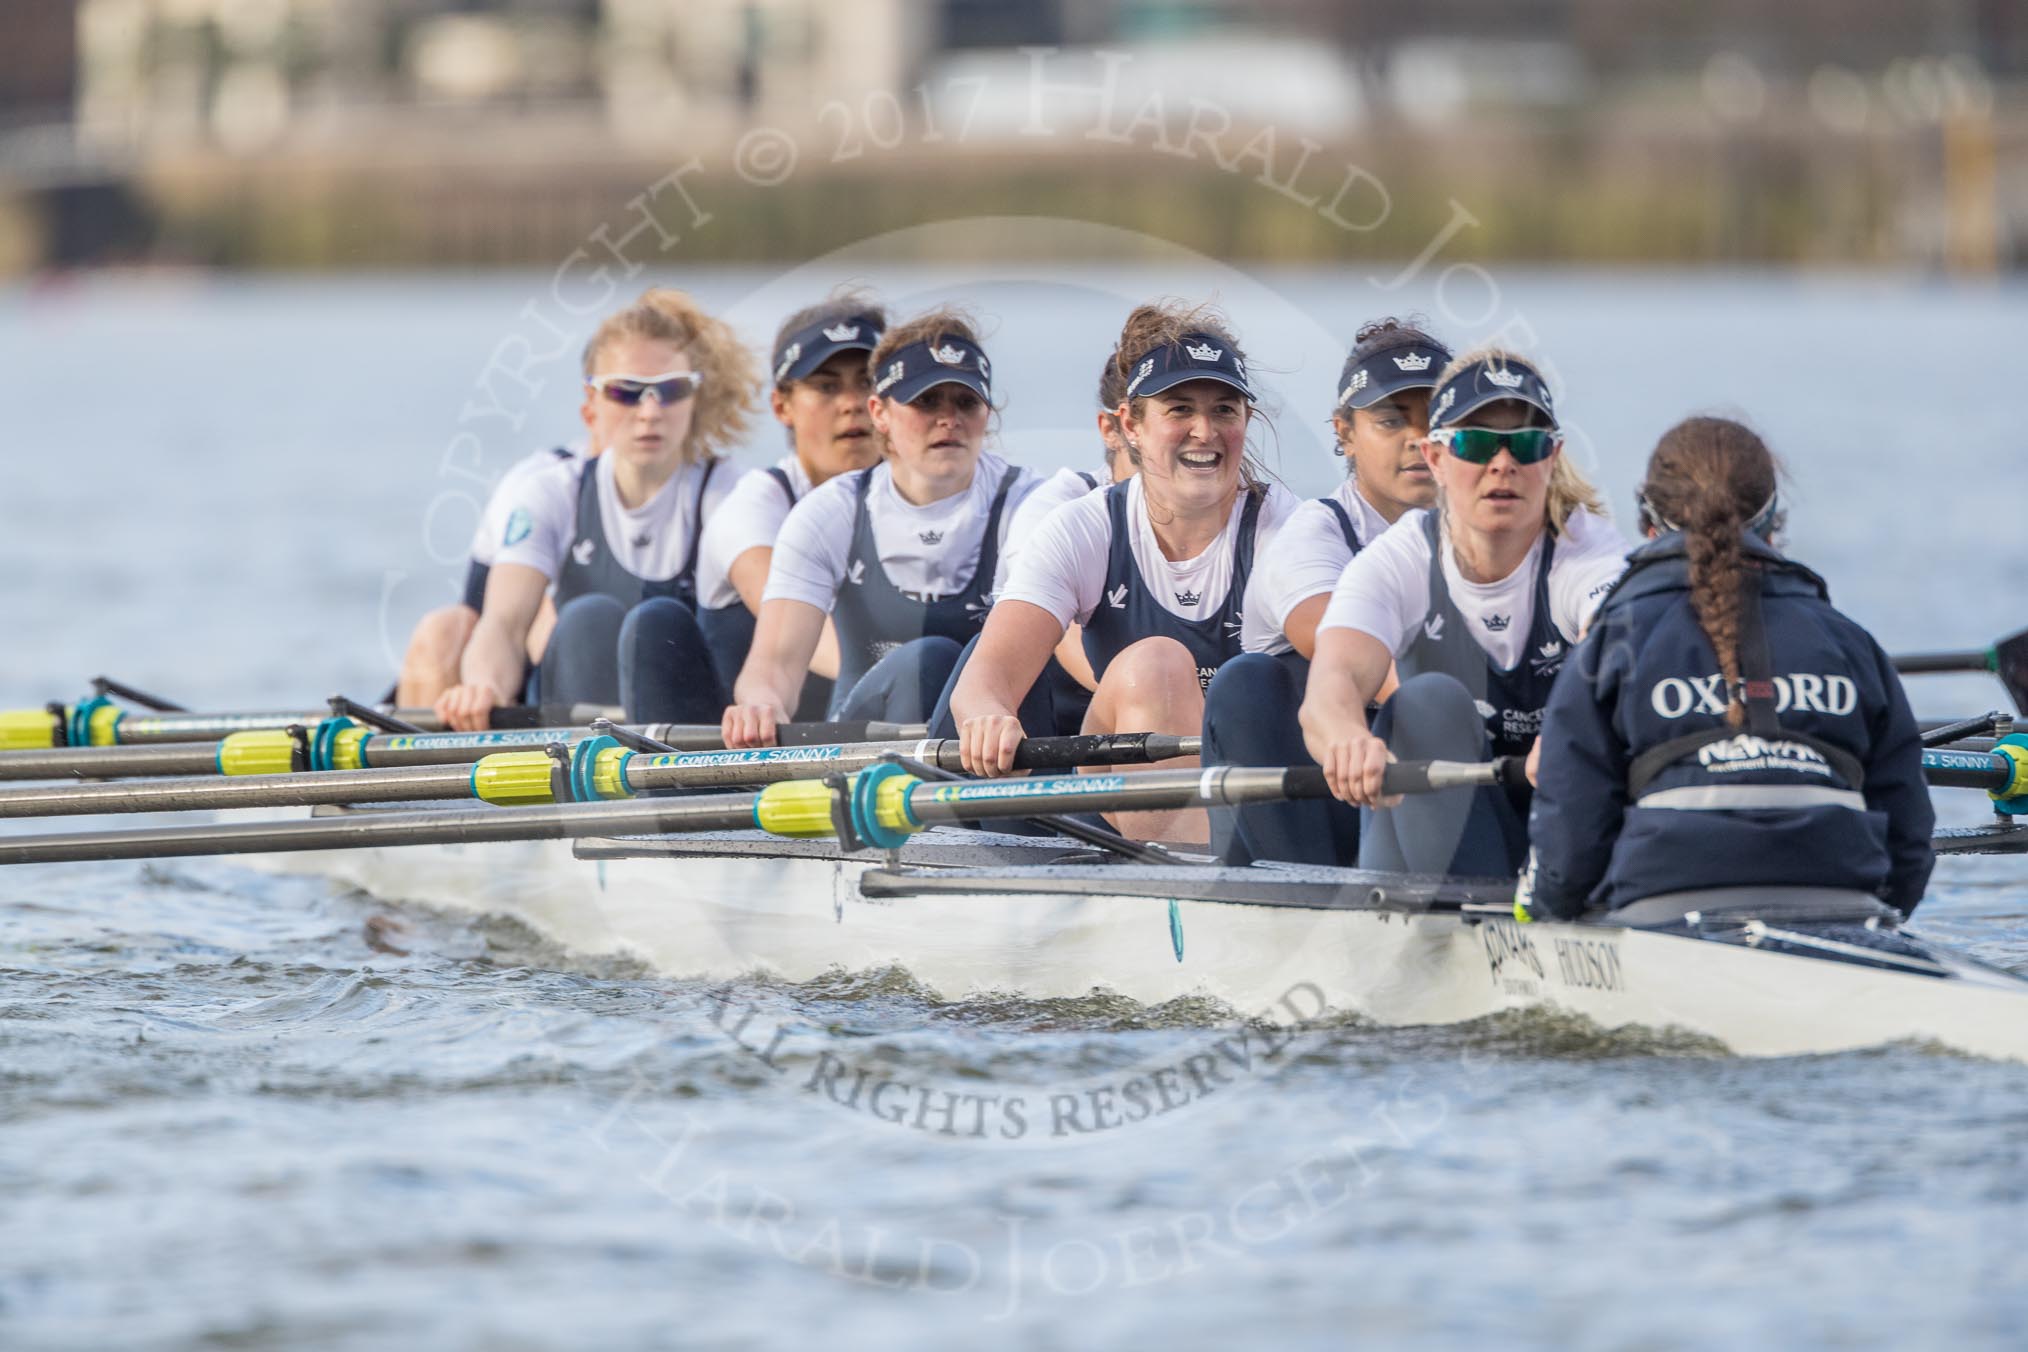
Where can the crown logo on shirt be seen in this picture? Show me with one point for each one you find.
(1496, 623)
(1413, 362)
(894, 373)
(930, 537)
(1204, 352)
(1553, 648)
(1506, 380)
(950, 354)
(842, 333)
(1187, 598)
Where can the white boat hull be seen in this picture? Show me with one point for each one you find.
(723, 915)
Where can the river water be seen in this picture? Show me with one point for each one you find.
(246, 1110)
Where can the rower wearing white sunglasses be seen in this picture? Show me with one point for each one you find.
(668, 390)
(1476, 601)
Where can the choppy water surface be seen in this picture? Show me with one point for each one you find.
(245, 1110)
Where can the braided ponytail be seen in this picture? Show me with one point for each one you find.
(1708, 478)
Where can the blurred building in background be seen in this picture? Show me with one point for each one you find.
(488, 132)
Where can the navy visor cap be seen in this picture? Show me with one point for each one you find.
(1488, 381)
(1198, 356)
(1413, 366)
(918, 368)
(802, 352)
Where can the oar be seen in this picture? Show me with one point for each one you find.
(881, 806)
(2006, 659)
(339, 744)
(592, 768)
(99, 722)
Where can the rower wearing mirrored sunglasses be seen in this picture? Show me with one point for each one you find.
(1381, 417)
(902, 557)
(1475, 601)
(668, 391)
(821, 386)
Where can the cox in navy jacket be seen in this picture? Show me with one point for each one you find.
(1646, 674)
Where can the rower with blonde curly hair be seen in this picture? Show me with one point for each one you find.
(668, 392)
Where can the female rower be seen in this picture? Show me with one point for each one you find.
(668, 390)
(1154, 568)
(822, 385)
(1474, 601)
(1250, 708)
(1067, 677)
(1723, 726)
(903, 557)
(436, 646)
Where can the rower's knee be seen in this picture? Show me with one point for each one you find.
(1432, 716)
(1152, 686)
(1250, 706)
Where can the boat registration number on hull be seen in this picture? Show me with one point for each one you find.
(1522, 960)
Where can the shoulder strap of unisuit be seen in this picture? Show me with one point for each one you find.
(781, 477)
(697, 518)
(1757, 693)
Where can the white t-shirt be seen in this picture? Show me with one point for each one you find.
(506, 492)
(1062, 567)
(650, 541)
(1066, 485)
(1384, 591)
(1309, 553)
(926, 551)
(750, 518)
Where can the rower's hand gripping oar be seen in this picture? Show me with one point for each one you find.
(2006, 659)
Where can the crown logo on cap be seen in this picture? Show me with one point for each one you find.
(950, 354)
(842, 333)
(1413, 362)
(1506, 380)
(1354, 385)
(1204, 352)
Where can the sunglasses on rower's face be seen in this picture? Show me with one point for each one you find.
(671, 387)
(1478, 445)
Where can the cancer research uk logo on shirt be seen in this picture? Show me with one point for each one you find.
(519, 524)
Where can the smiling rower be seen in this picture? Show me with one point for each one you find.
(668, 389)
(821, 387)
(1154, 569)
(1475, 601)
(903, 557)
(1250, 709)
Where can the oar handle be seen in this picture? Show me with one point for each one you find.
(1927, 664)
(1428, 776)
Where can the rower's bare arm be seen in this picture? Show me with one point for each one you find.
(1012, 651)
(784, 639)
(496, 660)
(1071, 654)
(1300, 628)
(749, 575)
(1348, 670)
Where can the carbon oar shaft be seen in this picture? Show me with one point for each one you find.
(979, 800)
(383, 750)
(645, 773)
